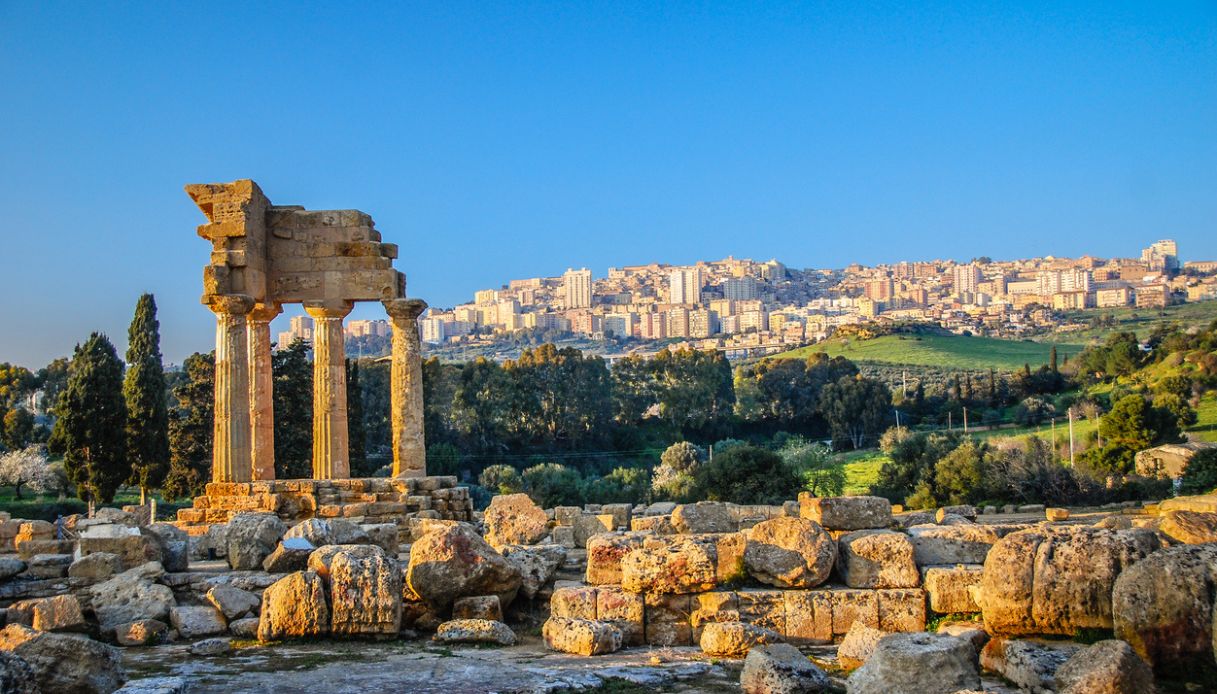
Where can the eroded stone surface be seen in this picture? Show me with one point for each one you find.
(789, 553)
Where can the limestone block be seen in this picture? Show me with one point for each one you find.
(233, 602)
(581, 636)
(808, 616)
(714, 606)
(1190, 527)
(850, 605)
(778, 668)
(365, 593)
(130, 597)
(197, 621)
(1107, 666)
(877, 559)
(951, 544)
(537, 565)
(950, 587)
(478, 607)
(704, 517)
(97, 566)
(916, 663)
(294, 607)
(1056, 514)
(659, 525)
(586, 525)
(142, 632)
(678, 566)
(734, 639)
(668, 620)
(604, 554)
(621, 513)
(48, 565)
(566, 516)
(764, 608)
(471, 630)
(1057, 579)
(789, 553)
(846, 512)
(574, 602)
(901, 609)
(1031, 664)
(65, 662)
(623, 609)
(453, 562)
(858, 645)
(58, 613)
(513, 519)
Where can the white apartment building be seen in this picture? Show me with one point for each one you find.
(577, 288)
(685, 286)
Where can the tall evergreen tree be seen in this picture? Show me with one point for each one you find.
(191, 427)
(92, 424)
(147, 405)
(1052, 360)
(293, 397)
(356, 431)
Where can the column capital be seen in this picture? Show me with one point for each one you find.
(408, 309)
(265, 313)
(236, 304)
(328, 308)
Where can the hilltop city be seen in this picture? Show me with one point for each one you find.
(748, 308)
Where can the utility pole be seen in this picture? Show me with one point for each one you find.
(1070, 436)
(904, 386)
(1054, 433)
(965, 421)
(897, 411)
(950, 425)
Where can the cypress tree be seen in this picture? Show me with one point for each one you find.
(191, 428)
(293, 395)
(1052, 359)
(92, 424)
(356, 432)
(147, 406)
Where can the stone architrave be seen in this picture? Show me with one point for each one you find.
(261, 392)
(230, 460)
(330, 443)
(406, 384)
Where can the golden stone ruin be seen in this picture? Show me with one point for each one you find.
(264, 256)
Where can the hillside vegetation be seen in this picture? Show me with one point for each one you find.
(943, 351)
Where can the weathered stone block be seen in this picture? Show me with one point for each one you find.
(808, 616)
(668, 620)
(901, 609)
(846, 512)
(877, 559)
(950, 587)
(604, 554)
(623, 609)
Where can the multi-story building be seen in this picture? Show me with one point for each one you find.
(678, 322)
(684, 286)
(740, 289)
(1161, 256)
(1056, 281)
(433, 330)
(1156, 295)
(367, 328)
(967, 278)
(703, 323)
(577, 288)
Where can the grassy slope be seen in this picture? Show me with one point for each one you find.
(1140, 321)
(946, 351)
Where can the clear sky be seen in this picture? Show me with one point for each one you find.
(506, 140)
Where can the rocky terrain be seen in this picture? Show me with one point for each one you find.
(819, 594)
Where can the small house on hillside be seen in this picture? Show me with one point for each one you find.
(1169, 460)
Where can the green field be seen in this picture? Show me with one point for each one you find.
(943, 351)
(1138, 320)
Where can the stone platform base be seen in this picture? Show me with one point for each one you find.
(362, 500)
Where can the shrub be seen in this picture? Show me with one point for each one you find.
(1200, 475)
(746, 475)
(622, 485)
(443, 459)
(551, 484)
(501, 479)
(673, 479)
(813, 463)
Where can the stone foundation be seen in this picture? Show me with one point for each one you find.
(362, 500)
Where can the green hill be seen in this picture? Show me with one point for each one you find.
(943, 351)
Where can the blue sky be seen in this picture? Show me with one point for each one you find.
(503, 140)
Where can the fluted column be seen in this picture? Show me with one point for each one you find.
(230, 460)
(331, 454)
(406, 388)
(261, 392)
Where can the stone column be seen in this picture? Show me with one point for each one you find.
(406, 386)
(261, 392)
(331, 455)
(231, 440)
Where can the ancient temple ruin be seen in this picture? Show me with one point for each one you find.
(262, 257)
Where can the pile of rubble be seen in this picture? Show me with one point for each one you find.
(757, 583)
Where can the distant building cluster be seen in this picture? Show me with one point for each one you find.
(301, 328)
(743, 304)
